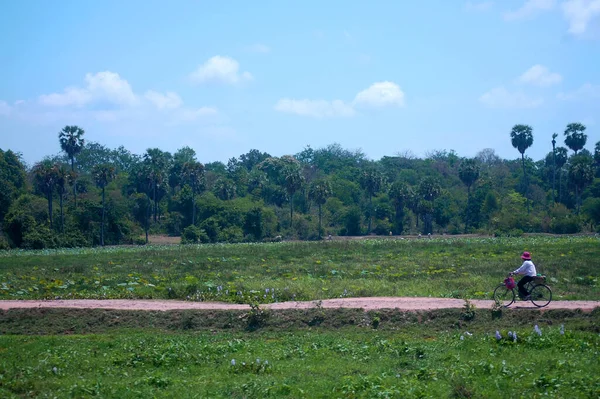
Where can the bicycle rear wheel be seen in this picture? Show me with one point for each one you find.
(504, 296)
(541, 295)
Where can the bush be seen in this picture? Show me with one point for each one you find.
(4, 245)
(39, 238)
(174, 224)
(72, 239)
(382, 228)
(194, 235)
(231, 234)
(563, 221)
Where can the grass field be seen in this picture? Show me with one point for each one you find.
(312, 353)
(242, 273)
(437, 356)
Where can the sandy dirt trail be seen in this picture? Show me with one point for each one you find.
(406, 304)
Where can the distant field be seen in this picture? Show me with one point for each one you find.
(242, 273)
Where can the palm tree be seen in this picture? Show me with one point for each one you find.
(371, 181)
(468, 172)
(554, 136)
(71, 142)
(429, 189)
(192, 174)
(597, 154)
(293, 182)
(575, 137)
(156, 162)
(45, 179)
(401, 194)
(581, 173)
(522, 138)
(561, 155)
(63, 179)
(319, 191)
(103, 174)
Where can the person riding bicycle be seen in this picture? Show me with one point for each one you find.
(528, 271)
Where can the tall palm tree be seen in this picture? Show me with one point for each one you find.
(372, 182)
(575, 137)
(468, 172)
(401, 194)
(44, 175)
(318, 192)
(581, 173)
(293, 182)
(63, 179)
(429, 189)
(554, 136)
(103, 174)
(521, 139)
(561, 155)
(192, 174)
(156, 163)
(72, 142)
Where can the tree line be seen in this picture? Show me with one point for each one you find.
(112, 196)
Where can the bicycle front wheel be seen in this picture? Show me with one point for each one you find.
(541, 295)
(504, 296)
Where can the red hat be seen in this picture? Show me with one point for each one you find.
(526, 256)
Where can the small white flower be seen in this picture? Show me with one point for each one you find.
(233, 362)
(462, 338)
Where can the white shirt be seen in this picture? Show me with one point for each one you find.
(527, 268)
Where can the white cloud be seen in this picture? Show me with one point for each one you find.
(381, 94)
(5, 109)
(190, 114)
(585, 92)
(539, 75)
(499, 97)
(529, 9)
(315, 108)
(220, 69)
(102, 86)
(169, 100)
(479, 6)
(258, 48)
(579, 13)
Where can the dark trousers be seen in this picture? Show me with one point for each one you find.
(521, 284)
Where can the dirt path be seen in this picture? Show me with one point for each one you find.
(409, 303)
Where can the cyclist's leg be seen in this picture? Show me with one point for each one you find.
(521, 284)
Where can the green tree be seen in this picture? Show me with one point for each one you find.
(293, 182)
(597, 157)
(63, 179)
(581, 173)
(401, 194)
(522, 138)
(429, 189)
(156, 163)
(468, 172)
(318, 192)
(371, 180)
(72, 142)
(192, 174)
(103, 174)
(141, 210)
(13, 180)
(575, 137)
(45, 179)
(561, 156)
(181, 157)
(554, 136)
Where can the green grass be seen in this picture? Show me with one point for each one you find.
(242, 273)
(318, 363)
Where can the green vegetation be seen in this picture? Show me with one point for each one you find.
(440, 356)
(111, 196)
(269, 272)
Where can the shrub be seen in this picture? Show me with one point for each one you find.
(39, 238)
(194, 235)
(382, 228)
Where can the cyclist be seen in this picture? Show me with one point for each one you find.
(528, 271)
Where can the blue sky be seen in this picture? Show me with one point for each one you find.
(225, 77)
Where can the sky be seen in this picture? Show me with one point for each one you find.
(384, 77)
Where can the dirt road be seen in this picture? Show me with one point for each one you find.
(407, 304)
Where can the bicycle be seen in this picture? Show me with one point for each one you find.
(539, 293)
